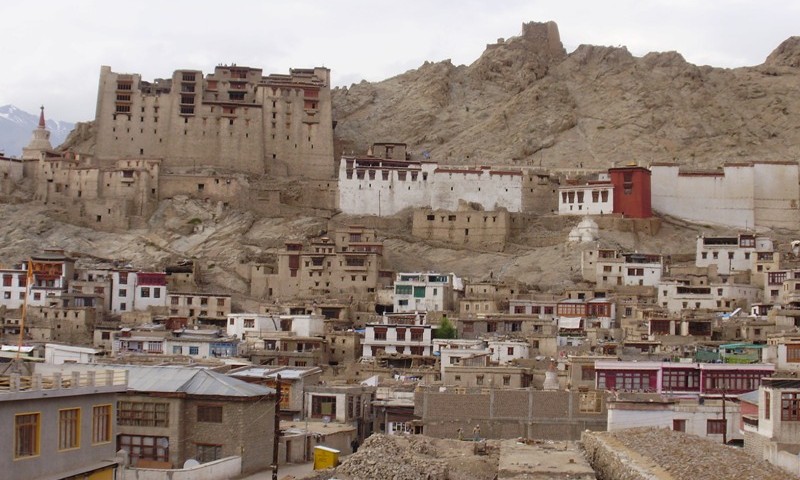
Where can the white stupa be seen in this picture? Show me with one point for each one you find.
(586, 231)
(40, 141)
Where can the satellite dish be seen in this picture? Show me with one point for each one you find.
(191, 463)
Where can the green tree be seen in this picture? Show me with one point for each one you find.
(446, 329)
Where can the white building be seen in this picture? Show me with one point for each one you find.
(505, 351)
(244, 325)
(690, 416)
(783, 351)
(453, 351)
(743, 195)
(57, 354)
(422, 292)
(677, 296)
(52, 272)
(593, 198)
(201, 344)
(403, 339)
(137, 291)
(376, 186)
(13, 288)
(609, 268)
(774, 435)
(731, 254)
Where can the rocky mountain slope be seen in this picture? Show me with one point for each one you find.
(525, 101)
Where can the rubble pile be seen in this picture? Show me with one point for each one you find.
(392, 458)
(688, 457)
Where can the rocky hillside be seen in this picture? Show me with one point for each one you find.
(525, 101)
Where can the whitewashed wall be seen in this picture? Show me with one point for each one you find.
(441, 190)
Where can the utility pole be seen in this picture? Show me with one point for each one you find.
(277, 435)
(725, 421)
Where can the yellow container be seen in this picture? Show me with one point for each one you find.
(325, 457)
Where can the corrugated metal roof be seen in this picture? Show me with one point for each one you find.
(192, 381)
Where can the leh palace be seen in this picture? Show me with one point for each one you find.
(316, 276)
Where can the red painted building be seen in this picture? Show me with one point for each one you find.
(631, 191)
(680, 378)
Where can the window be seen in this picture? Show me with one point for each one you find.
(209, 413)
(790, 406)
(704, 255)
(506, 380)
(220, 302)
(323, 406)
(208, 453)
(679, 425)
(101, 424)
(715, 255)
(419, 292)
(145, 447)
(479, 380)
(510, 350)
(587, 372)
(143, 414)
(380, 333)
(173, 300)
(145, 292)
(715, 427)
(7, 280)
(69, 432)
(793, 353)
(675, 379)
(416, 334)
(194, 350)
(177, 350)
(123, 292)
(249, 322)
(767, 405)
(26, 434)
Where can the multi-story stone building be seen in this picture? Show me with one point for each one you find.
(350, 263)
(235, 118)
(470, 228)
(201, 308)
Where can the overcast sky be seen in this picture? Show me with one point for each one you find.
(52, 50)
